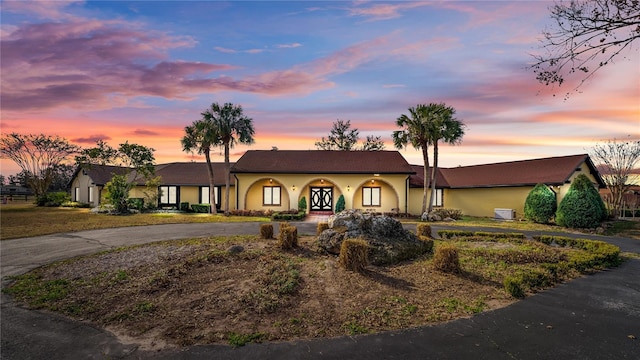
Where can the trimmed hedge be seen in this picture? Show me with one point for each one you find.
(184, 206)
(201, 208)
(423, 230)
(288, 236)
(450, 234)
(288, 216)
(354, 255)
(266, 231)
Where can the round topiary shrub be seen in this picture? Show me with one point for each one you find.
(582, 206)
(540, 205)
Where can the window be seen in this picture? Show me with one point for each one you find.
(90, 194)
(76, 194)
(437, 200)
(169, 195)
(204, 195)
(271, 195)
(370, 196)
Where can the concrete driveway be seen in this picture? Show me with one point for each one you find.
(593, 317)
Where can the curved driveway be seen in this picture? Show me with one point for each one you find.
(593, 317)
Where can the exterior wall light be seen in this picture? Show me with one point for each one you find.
(293, 188)
(348, 188)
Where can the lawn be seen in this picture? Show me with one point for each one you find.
(197, 291)
(26, 220)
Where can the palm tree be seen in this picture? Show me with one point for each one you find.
(201, 136)
(416, 130)
(446, 128)
(233, 127)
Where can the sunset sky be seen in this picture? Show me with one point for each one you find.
(143, 70)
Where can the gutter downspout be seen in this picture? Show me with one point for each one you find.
(406, 196)
(237, 191)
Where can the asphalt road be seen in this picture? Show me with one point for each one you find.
(593, 317)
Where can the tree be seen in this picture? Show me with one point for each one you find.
(373, 143)
(62, 175)
(587, 35)
(616, 159)
(3, 180)
(341, 137)
(416, 130)
(582, 206)
(340, 204)
(200, 137)
(443, 127)
(138, 159)
(540, 205)
(37, 156)
(233, 127)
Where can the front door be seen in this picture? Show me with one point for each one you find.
(321, 199)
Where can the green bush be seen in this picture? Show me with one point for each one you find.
(117, 193)
(289, 216)
(201, 208)
(340, 204)
(53, 199)
(582, 206)
(450, 234)
(513, 286)
(302, 204)
(540, 205)
(184, 206)
(135, 203)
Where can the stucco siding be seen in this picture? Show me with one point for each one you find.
(295, 186)
(483, 201)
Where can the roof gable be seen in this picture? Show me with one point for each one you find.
(322, 162)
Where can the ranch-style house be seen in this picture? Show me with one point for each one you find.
(378, 181)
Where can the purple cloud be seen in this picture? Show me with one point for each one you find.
(92, 139)
(142, 132)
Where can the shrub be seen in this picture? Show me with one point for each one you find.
(443, 213)
(289, 215)
(117, 193)
(322, 226)
(136, 203)
(446, 259)
(53, 199)
(288, 236)
(302, 204)
(354, 255)
(582, 206)
(513, 286)
(540, 205)
(201, 208)
(428, 243)
(340, 204)
(449, 234)
(266, 231)
(423, 230)
(184, 206)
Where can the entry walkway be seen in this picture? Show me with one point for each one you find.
(595, 316)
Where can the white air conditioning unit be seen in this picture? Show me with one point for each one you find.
(504, 214)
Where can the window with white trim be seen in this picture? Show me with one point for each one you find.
(371, 196)
(204, 194)
(271, 195)
(76, 194)
(90, 194)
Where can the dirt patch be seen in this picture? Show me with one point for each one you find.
(182, 293)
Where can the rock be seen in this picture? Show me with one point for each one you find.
(448, 219)
(600, 230)
(389, 241)
(432, 216)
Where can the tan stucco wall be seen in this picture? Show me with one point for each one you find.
(294, 187)
(83, 182)
(482, 201)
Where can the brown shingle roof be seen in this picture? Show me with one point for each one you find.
(417, 180)
(550, 171)
(191, 174)
(322, 162)
(102, 174)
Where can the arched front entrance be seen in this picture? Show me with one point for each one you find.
(321, 198)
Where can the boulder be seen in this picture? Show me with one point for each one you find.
(389, 242)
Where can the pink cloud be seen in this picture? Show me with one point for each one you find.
(44, 9)
(91, 63)
(288, 46)
(384, 11)
(142, 132)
